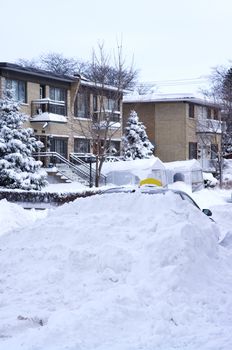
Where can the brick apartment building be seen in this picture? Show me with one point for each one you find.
(62, 108)
(182, 127)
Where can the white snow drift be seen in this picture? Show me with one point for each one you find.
(118, 272)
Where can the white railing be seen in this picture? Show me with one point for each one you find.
(54, 158)
(46, 105)
(111, 115)
(210, 126)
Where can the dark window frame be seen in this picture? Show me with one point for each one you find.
(192, 150)
(81, 148)
(58, 94)
(191, 110)
(11, 84)
(54, 93)
(95, 103)
(82, 104)
(113, 144)
(215, 113)
(213, 151)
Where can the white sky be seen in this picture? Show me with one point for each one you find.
(169, 39)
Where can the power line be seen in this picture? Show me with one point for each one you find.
(175, 82)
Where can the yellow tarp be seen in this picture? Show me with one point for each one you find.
(150, 181)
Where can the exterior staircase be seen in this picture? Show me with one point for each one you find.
(60, 169)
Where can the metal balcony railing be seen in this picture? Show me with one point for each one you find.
(102, 116)
(46, 105)
(210, 126)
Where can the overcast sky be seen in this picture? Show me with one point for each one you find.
(169, 39)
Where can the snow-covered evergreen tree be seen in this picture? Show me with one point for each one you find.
(135, 142)
(18, 169)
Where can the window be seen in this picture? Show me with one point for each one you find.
(95, 104)
(208, 113)
(215, 114)
(214, 151)
(57, 94)
(59, 145)
(81, 146)
(191, 110)
(18, 89)
(113, 148)
(82, 109)
(192, 150)
(111, 104)
(42, 91)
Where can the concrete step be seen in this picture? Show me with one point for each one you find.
(56, 176)
(70, 174)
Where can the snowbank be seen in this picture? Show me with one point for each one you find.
(119, 272)
(14, 217)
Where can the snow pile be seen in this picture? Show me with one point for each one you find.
(207, 198)
(181, 186)
(65, 187)
(13, 217)
(120, 272)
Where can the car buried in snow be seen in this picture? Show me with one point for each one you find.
(150, 189)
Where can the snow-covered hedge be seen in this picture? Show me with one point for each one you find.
(43, 197)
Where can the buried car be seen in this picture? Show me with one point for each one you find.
(151, 189)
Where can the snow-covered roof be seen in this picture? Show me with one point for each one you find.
(184, 165)
(6, 66)
(36, 72)
(176, 97)
(133, 165)
(85, 82)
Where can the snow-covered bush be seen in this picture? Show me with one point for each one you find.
(136, 144)
(18, 169)
(209, 180)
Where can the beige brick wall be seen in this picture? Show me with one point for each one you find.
(166, 125)
(170, 131)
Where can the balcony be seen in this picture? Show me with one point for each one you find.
(46, 110)
(107, 118)
(210, 126)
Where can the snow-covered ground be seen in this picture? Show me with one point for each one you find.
(64, 187)
(119, 272)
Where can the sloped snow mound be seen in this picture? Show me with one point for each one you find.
(211, 196)
(120, 272)
(227, 240)
(14, 217)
